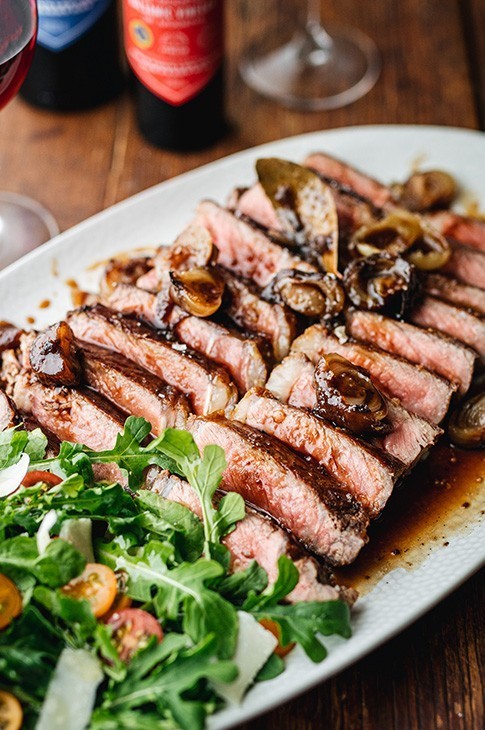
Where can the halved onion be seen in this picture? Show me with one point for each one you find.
(199, 291)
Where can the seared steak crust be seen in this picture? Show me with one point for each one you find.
(419, 390)
(242, 248)
(240, 355)
(365, 471)
(133, 389)
(207, 385)
(453, 321)
(455, 292)
(72, 414)
(432, 350)
(410, 437)
(327, 520)
(467, 265)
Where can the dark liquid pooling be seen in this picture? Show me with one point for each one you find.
(442, 496)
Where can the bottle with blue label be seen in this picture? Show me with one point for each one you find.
(77, 62)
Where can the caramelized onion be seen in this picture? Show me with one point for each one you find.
(9, 336)
(404, 234)
(194, 248)
(467, 423)
(381, 283)
(426, 190)
(347, 397)
(308, 293)
(199, 291)
(53, 356)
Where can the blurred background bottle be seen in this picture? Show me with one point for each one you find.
(76, 62)
(175, 50)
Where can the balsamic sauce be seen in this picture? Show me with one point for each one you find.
(442, 496)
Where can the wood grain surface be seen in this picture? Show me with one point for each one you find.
(433, 53)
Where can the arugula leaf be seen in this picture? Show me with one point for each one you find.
(12, 444)
(181, 589)
(159, 677)
(76, 615)
(160, 516)
(237, 586)
(287, 579)
(36, 444)
(204, 475)
(55, 567)
(273, 668)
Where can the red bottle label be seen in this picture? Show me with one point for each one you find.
(173, 46)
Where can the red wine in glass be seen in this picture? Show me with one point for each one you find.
(24, 223)
(18, 25)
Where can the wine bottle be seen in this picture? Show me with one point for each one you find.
(77, 61)
(175, 50)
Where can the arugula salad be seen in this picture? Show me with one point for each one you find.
(118, 609)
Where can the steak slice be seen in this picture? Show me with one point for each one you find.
(419, 390)
(432, 350)
(469, 231)
(325, 519)
(133, 389)
(367, 473)
(254, 203)
(350, 177)
(208, 386)
(243, 249)
(467, 265)
(453, 321)
(8, 413)
(410, 438)
(240, 355)
(72, 414)
(246, 308)
(455, 292)
(257, 537)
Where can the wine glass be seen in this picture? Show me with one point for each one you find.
(316, 69)
(24, 223)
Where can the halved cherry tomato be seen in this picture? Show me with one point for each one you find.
(132, 628)
(36, 476)
(281, 650)
(11, 714)
(10, 601)
(96, 584)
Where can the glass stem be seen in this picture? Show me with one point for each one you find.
(318, 43)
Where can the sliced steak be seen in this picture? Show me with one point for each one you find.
(467, 265)
(469, 231)
(257, 537)
(207, 385)
(455, 292)
(133, 389)
(8, 413)
(365, 471)
(240, 355)
(410, 438)
(454, 321)
(327, 520)
(72, 414)
(419, 390)
(248, 310)
(443, 355)
(243, 249)
(256, 205)
(348, 176)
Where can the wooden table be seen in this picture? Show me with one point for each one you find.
(430, 677)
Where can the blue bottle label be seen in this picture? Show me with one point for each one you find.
(62, 22)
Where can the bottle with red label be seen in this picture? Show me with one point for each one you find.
(77, 61)
(175, 50)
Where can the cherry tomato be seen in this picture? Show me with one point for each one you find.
(11, 714)
(281, 650)
(10, 601)
(36, 476)
(96, 584)
(132, 627)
